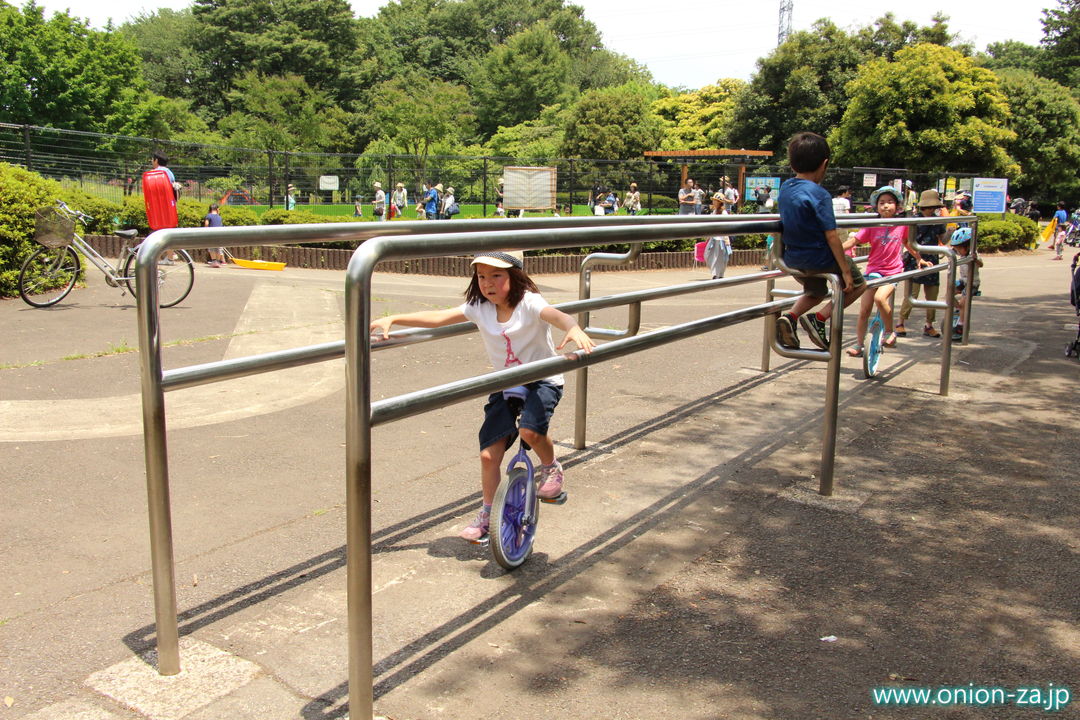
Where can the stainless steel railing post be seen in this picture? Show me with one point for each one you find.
(946, 325)
(358, 483)
(156, 457)
(832, 387)
(581, 386)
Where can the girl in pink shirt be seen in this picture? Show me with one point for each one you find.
(886, 258)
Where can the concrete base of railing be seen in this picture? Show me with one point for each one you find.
(325, 259)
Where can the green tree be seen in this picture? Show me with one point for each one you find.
(698, 119)
(1046, 120)
(166, 40)
(415, 114)
(1060, 60)
(611, 124)
(1012, 54)
(314, 39)
(802, 85)
(519, 78)
(282, 113)
(60, 73)
(930, 109)
(541, 137)
(799, 86)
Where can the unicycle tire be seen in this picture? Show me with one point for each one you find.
(511, 533)
(874, 347)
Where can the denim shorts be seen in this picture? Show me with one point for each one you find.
(500, 414)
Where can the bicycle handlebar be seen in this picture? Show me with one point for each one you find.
(67, 209)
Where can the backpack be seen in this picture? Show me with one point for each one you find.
(453, 209)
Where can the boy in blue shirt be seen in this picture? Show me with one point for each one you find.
(811, 244)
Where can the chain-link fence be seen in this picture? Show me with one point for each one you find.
(110, 166)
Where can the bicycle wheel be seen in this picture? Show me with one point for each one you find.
(872, 353)
(513, 522)
(174, 281)
(48, 275)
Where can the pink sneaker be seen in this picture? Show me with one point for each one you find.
(551, 481)
(479, 527)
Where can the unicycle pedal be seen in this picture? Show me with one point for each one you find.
(559, 500)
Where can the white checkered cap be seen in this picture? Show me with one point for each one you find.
(501, 259)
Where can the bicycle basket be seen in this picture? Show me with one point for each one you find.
(52, 229)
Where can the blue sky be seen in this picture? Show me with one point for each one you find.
(695, 48)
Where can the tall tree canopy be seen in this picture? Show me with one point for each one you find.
(931, 108)
(1061, 41)
(314, 39)
(1046, 120)
(698, 119)
(519, 78)
(802, 85)
(612, 124)
(60, 73)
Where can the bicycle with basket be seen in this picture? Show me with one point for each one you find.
(51, 271)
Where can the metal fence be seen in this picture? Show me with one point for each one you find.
(110, 166)
(416, 240)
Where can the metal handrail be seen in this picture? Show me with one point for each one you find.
(416, 239)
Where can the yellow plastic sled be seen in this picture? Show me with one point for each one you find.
(255, 264)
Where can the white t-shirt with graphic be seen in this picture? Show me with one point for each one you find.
(522, 339)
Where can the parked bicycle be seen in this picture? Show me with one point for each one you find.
(50, 273)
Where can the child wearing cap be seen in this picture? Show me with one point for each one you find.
(514, 322)
(886, 259)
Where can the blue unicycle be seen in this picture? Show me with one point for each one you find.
(515, 510)
(874, 347)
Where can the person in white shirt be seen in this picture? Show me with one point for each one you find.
(379, 206)
(514, 322)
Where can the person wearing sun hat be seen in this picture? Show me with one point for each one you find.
(399, 199)
(514, 322)
(379, 206)
(929, 205)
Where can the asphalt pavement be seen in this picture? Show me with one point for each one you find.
(693, 573)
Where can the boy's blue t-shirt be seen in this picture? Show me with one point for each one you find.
(1062, 217)
(806, 213)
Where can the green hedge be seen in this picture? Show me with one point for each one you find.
(21, 193)
(1013, 232)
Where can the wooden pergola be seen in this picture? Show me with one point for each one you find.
(744, 156)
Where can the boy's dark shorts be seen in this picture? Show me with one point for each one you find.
(819, 286)
(500, 414)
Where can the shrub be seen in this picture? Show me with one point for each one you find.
(279, 216)
(234, 215)
(1000, 235)
(104, 212)
(21, 193)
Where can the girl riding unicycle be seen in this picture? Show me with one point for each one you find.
(886, 259)
(514, 322)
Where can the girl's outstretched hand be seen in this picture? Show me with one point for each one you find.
(381, 327)
(579, 338)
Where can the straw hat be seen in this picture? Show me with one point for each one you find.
(439, 187)
(378, 184)
(400, 185)
(450, 190)
(930, 199)
(501, 259)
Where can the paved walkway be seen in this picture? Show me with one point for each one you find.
(693, 573)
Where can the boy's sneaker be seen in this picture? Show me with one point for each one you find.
(551, 481)
(785, 332)
(478, 530)
(818, 330)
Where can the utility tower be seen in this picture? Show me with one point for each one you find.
(784, 27)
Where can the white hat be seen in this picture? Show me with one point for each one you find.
(500, 259)
(450, 190)
(378, 184)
